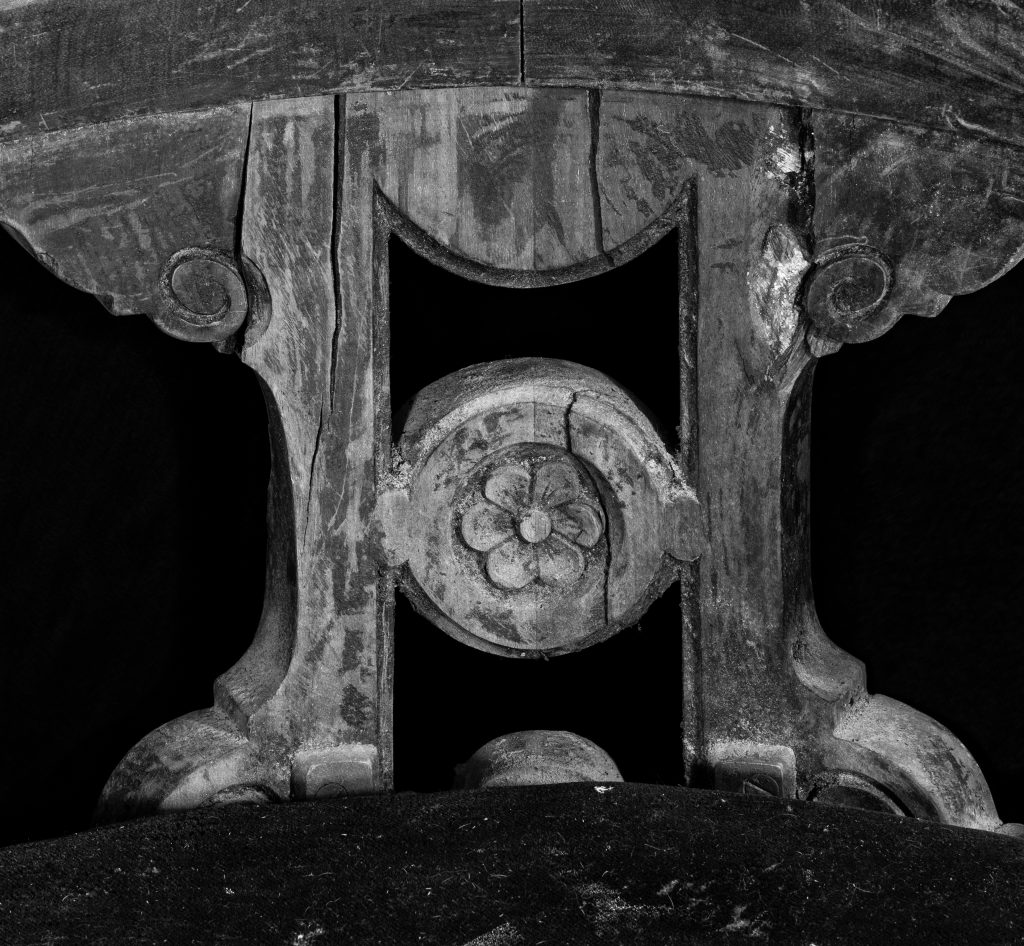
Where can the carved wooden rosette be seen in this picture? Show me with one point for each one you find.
(542, 513)
(529, 507)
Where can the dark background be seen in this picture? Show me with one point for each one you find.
(132, 487)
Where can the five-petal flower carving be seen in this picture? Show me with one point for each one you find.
(533, 525)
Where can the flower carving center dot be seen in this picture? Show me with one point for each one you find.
(534, 525)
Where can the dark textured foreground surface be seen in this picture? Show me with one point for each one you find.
(558, 864)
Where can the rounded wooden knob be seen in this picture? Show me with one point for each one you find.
(202, 295)
(846, 291)
(541, 507)
(537, 757)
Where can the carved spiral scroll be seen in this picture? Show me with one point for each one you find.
(846, 291)
(202, 295)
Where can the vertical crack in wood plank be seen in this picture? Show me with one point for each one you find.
(339, 176)
(594, 113)
(336, 171)
(240, 213)
(522, 42)
(312, 472)
(687, 272)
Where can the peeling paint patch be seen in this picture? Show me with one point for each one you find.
(786, 160)
(774, 283)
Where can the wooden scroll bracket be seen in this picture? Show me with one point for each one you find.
(529, 507)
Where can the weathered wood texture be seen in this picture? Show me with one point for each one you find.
(287, 228)
(307, 694)
(936, 63)
(107, 208)
(570, 515)
(542, 478)
(784, 216)
(944, 213)
(768, 680)
(940, 64)
(498, 179)
(537, 757)
(64, 63)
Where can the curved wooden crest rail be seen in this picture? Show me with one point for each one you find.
(235, 171)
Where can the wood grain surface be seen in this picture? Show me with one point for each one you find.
(947, 212)
(953, 65)
(64, 63)
(947, 64)
(106, 206)
(798, 231)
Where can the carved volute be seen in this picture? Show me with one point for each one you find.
(528, 507)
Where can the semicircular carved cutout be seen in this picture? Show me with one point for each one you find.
(421, 242)
(524, 182)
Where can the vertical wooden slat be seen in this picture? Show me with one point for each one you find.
(312, 359)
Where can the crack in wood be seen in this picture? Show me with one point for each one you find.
(339, 174)
(688, 289)
(594, 114)
(236, 340)
(744, 607)
(240, 214)
(567, 420)
(522, 42)
(312, 472)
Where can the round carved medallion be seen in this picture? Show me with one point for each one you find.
(541, 506)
